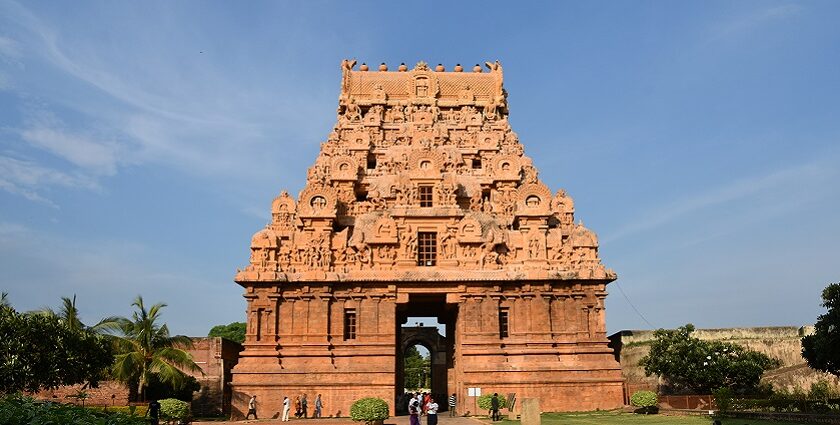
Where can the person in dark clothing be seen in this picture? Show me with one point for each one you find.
(154, 412)
(494, 408)
(304, 406)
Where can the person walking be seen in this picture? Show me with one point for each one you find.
(431, 412)
(287, 405)
(452, 402)
(318, 405)
(413, 411)
(304, 407)
(494, 407)
(297, 406)
(252, 407)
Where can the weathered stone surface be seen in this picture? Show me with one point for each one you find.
(530, 411)
(422, 203)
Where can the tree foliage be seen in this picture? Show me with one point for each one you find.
(233, 331)
(822, 349)
(688, 363)
(39, 351)
(145, 348)
(417, 369)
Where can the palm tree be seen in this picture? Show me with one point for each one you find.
(68, 314)
(145, 348)
(4, 300)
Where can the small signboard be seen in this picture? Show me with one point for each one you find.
(474, 392)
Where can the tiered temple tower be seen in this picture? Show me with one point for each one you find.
(422, 203)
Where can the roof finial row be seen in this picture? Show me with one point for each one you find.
(421, 66)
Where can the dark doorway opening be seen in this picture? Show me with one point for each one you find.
(425, 324)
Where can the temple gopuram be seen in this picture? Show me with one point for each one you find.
(422, 203)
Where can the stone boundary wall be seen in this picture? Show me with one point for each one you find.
(780, 342)
(108, 393)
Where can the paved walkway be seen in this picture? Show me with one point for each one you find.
(443, 419)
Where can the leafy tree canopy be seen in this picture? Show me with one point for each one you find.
(417, 369)
(822, 349)
(234, 331)
(688, 363)
(38, 351)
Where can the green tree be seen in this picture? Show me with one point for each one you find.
(145, 348)
(68, 314)
(234, 331)
(417, 369)
(686, 362)
(39, 351)
(822, 349)
(4, 299)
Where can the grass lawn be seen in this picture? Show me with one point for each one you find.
(618, 418)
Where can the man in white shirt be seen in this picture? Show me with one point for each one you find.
(287, 405)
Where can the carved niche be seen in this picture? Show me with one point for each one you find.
(383, 231)
(264, 246)
(533, 199)
(488, 140)
(506, 168)
(283, 211)
(316, 202)
(469, 231)
(357, 139)
(563, 207)
(344, 168)
(425, 164)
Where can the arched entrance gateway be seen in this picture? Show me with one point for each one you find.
(422, 203)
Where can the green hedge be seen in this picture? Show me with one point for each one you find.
(644, 399)
(484, 401)
(369, 409)
(174, 409)
(20, 410)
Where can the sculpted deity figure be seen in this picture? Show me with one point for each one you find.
(534, 247)
(353, 112)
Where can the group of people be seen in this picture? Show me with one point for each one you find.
(424, 404)
(301, 406)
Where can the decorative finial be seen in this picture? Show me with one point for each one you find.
(476, 68)
(363, 67)
(458, 68)
(402, 67)
(421, 66)
(383, 67)
(439, 68)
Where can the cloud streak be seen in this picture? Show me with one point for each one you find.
(728, 194)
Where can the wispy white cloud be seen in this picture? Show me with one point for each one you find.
(792, 177)
(98, 157)
(28, 179)
(9, 49)
(754, 20)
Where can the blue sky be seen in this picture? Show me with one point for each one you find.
(142, 143)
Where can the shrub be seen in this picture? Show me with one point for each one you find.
(174, 409)
(484, 402)
(369, 410)
(723, 398)
(646, 401)
(16, 409)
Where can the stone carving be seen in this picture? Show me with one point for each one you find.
(400, 132)
(494, 238)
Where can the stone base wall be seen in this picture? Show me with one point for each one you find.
(108, 393)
